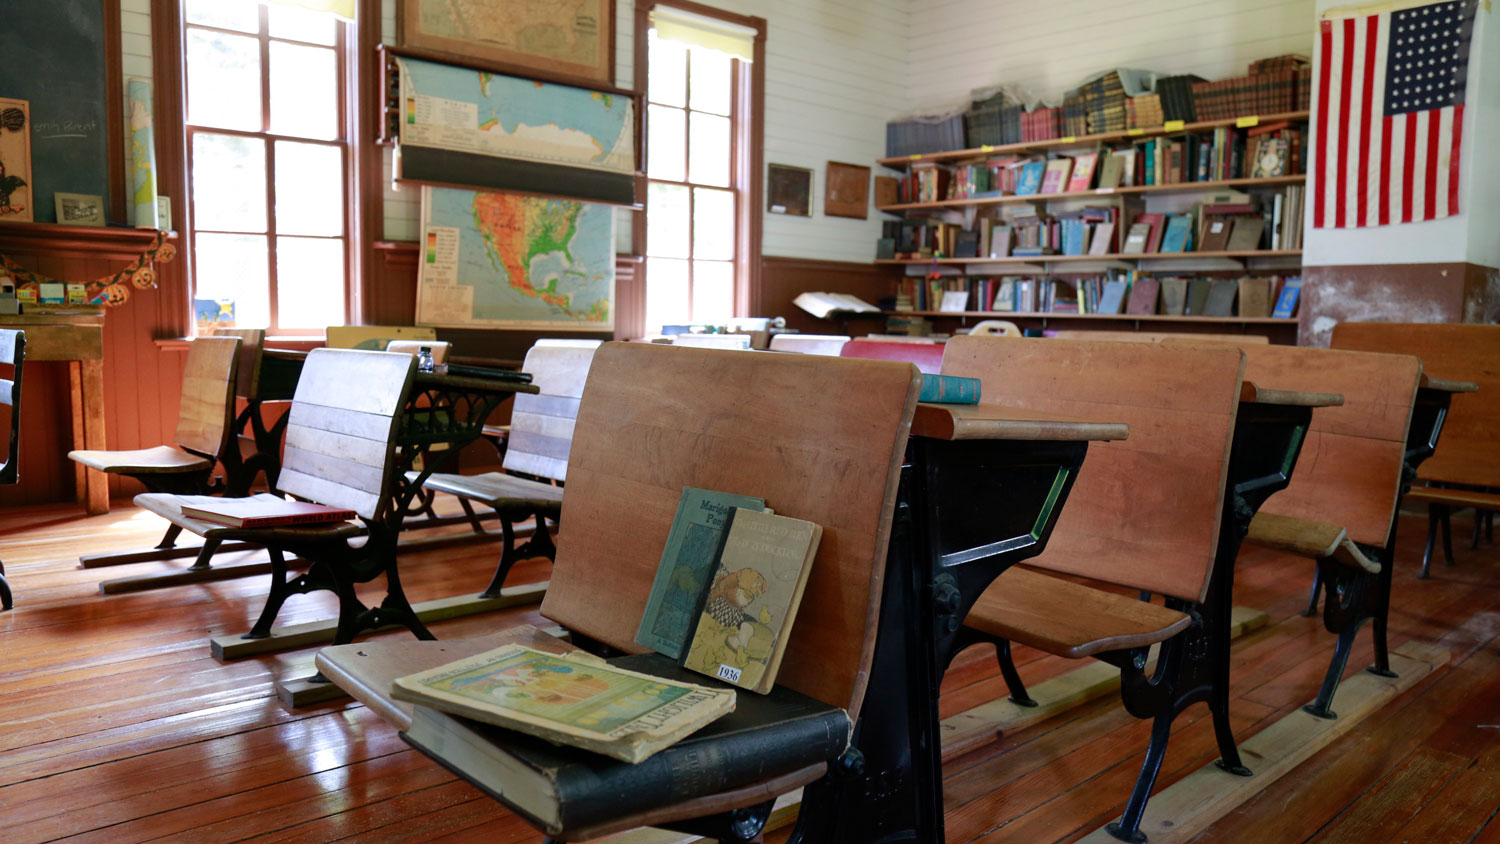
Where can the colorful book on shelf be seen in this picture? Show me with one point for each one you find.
(1286, 303)
(1179, 234)
(1083, 171)
(1255, 297)
(1174, 293)
(1153, 236)
(1111, 171)
(1103, 239)
(1136, 239)
(1197, 296)
(573, 699)
(747, 611)
(1220, 300)
(263, 511)
(949, 389)
(1142, 299)
(1031, 178)
(1113, 298)
(1215, 233)
(1055, 177)
(686, 564)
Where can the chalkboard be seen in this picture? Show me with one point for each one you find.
(53, 53)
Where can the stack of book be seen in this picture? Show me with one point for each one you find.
(993, 118)
(1089, 231)
(1104, 101)
(917, 135)
(1176, 94)
(1269, 92)
(1143, 112)
(1042, 124)
(1075, 114)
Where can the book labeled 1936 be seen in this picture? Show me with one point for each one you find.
(748, 609)
(949, 389)
(685, 567)
(568, 699)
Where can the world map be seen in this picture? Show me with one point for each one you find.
(508, 261)
(561, 30)
(456, 108)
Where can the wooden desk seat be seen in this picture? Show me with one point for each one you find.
(537, 444)
(1070, 619)
(1457, 498)
(654, 419)
(1307, 538)
(12, 353)
(928, 357)
(1145, 513)
(162, 459)
(809, 344)
(339, 444)
(1468, 455)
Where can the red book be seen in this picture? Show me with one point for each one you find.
(266, 511)
(1153, 243)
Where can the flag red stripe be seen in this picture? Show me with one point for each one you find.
(1324, 72)
(1345, 95)
(1458, 131)
(1434, 123)
(1409, 166)
(1385, 171)
(1372, 37)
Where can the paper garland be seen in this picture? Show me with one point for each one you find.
(112, 290)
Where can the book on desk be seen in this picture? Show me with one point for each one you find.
(259, 512)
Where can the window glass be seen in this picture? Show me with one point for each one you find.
(301, 25)
(666, 293)
(223, 80)
(235, 266)
(713, 224)
(309, 189)
(667, 83)
(712, 86)
(304, 91)
(667, 221)
(713, 291)
(666, 156)
(309, 282)
(242, 15)
(708, 150)
(229, 183)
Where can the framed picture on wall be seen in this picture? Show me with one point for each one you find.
(15, 160)
(846, 190)
(789, 190)
(574, 39)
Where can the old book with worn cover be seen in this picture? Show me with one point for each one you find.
(1220, 300)
(574, 699)
(686, 565)
(560, 788)
(1055, 179)
(1197, 297)
(266, 511)
(1174, 296)
(749, 606)
(1255, 297)
(1143, 296)
(949, 389)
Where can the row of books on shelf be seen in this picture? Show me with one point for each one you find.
(1113, 293)
(1110, 102)
(1267, 151)
(1229, 221)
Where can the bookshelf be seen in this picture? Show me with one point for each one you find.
(1054, 144)
(1047, 259)
(1056, 315)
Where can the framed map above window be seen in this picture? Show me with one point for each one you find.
(573, 38)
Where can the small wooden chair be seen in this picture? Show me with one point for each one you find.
(1145, 513)
(536, 458)
(12, 352)
(809, 344)
(1341, 507)
(655, 419)
(1464, 471)
(928, 357)
(339, 446)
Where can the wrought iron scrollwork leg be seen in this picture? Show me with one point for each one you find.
(1312, 600)
(1321, 707)
(508, 555)
(277, 596)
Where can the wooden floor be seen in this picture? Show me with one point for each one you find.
(116, 724)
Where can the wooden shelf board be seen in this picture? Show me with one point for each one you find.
(1117, 317)
(1181, 187)
(1083, 140)
(1048, 259)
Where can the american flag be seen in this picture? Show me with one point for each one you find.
(1390, 115)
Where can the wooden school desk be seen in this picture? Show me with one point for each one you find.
(75, 334)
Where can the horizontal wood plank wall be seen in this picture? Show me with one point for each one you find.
(142, 383)
(1043, 49)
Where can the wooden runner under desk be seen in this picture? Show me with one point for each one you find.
(74, 335)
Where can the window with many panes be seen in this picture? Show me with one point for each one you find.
(691, 192)
(266, 88)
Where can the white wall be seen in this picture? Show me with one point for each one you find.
(1048, 48)
(1471, 235)
(834, 75)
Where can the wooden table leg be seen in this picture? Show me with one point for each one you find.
(96, 484)
(75, 404)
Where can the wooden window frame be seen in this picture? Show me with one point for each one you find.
(747, 142)
(359, 84)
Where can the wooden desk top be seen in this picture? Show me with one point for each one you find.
(366, 669)
(61, 332)
(1432, 382)
(993, 422)
(1252, 392)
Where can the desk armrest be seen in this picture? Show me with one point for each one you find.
(1252, 392)
(1307, 538)
(993, 422)
(1430, 382)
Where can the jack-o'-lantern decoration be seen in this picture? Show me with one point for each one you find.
(111, 289)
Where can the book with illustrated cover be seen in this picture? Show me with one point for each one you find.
(574, 699)
(1031, 178)
(1055, 177)
(264, 511)
(748, 609)
(685, 567)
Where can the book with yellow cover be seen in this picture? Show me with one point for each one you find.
(750, 603)
(574, 699)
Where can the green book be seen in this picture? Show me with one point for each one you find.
(949, 389)
(686, 565)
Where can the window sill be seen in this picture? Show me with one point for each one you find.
(288, 341)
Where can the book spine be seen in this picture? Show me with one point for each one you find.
(949, 389)
(304, 519)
